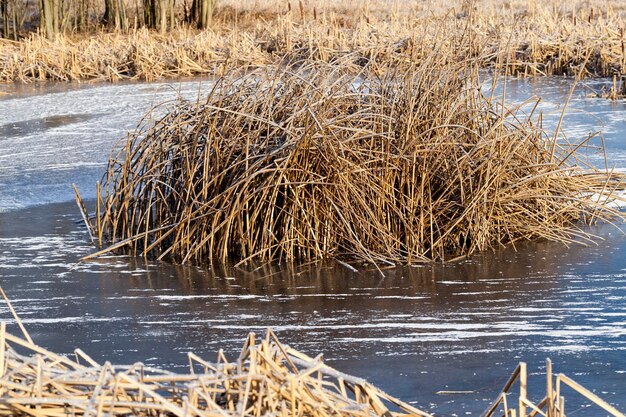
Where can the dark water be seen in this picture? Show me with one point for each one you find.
(35, 126)
(411, 331)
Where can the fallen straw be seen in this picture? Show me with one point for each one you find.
(17, 319)
(267, 379)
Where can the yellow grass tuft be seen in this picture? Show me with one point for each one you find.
(393, 165)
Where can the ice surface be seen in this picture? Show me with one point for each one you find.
(49, 141)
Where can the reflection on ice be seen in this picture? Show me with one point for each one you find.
(412, 332)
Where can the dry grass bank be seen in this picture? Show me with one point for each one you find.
(532, 38)
(393, 165)
(267, 379)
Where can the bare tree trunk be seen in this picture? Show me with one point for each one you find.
(138, 15)
(171, 13)
(4, 11)
(121, 21)
(115, 15)
(149, 13)
(56, 15)
(202, 12)
(16, 26)
(47, 20)
(82, 20)
(159, 14)
(11, 24)
(107, 18)
(162, 11)
(194, 12)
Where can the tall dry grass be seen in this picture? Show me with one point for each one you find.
(394, 164)
(532, 38)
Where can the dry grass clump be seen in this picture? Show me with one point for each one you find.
(388, 166)
(615, 91)
(268, 378)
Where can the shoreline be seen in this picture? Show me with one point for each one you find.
(538, 41)
(268, 377)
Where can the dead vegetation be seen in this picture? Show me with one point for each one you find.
(529, 38)
(268, 378)
(392, 165)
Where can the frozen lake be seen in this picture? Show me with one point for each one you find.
(412, 331)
